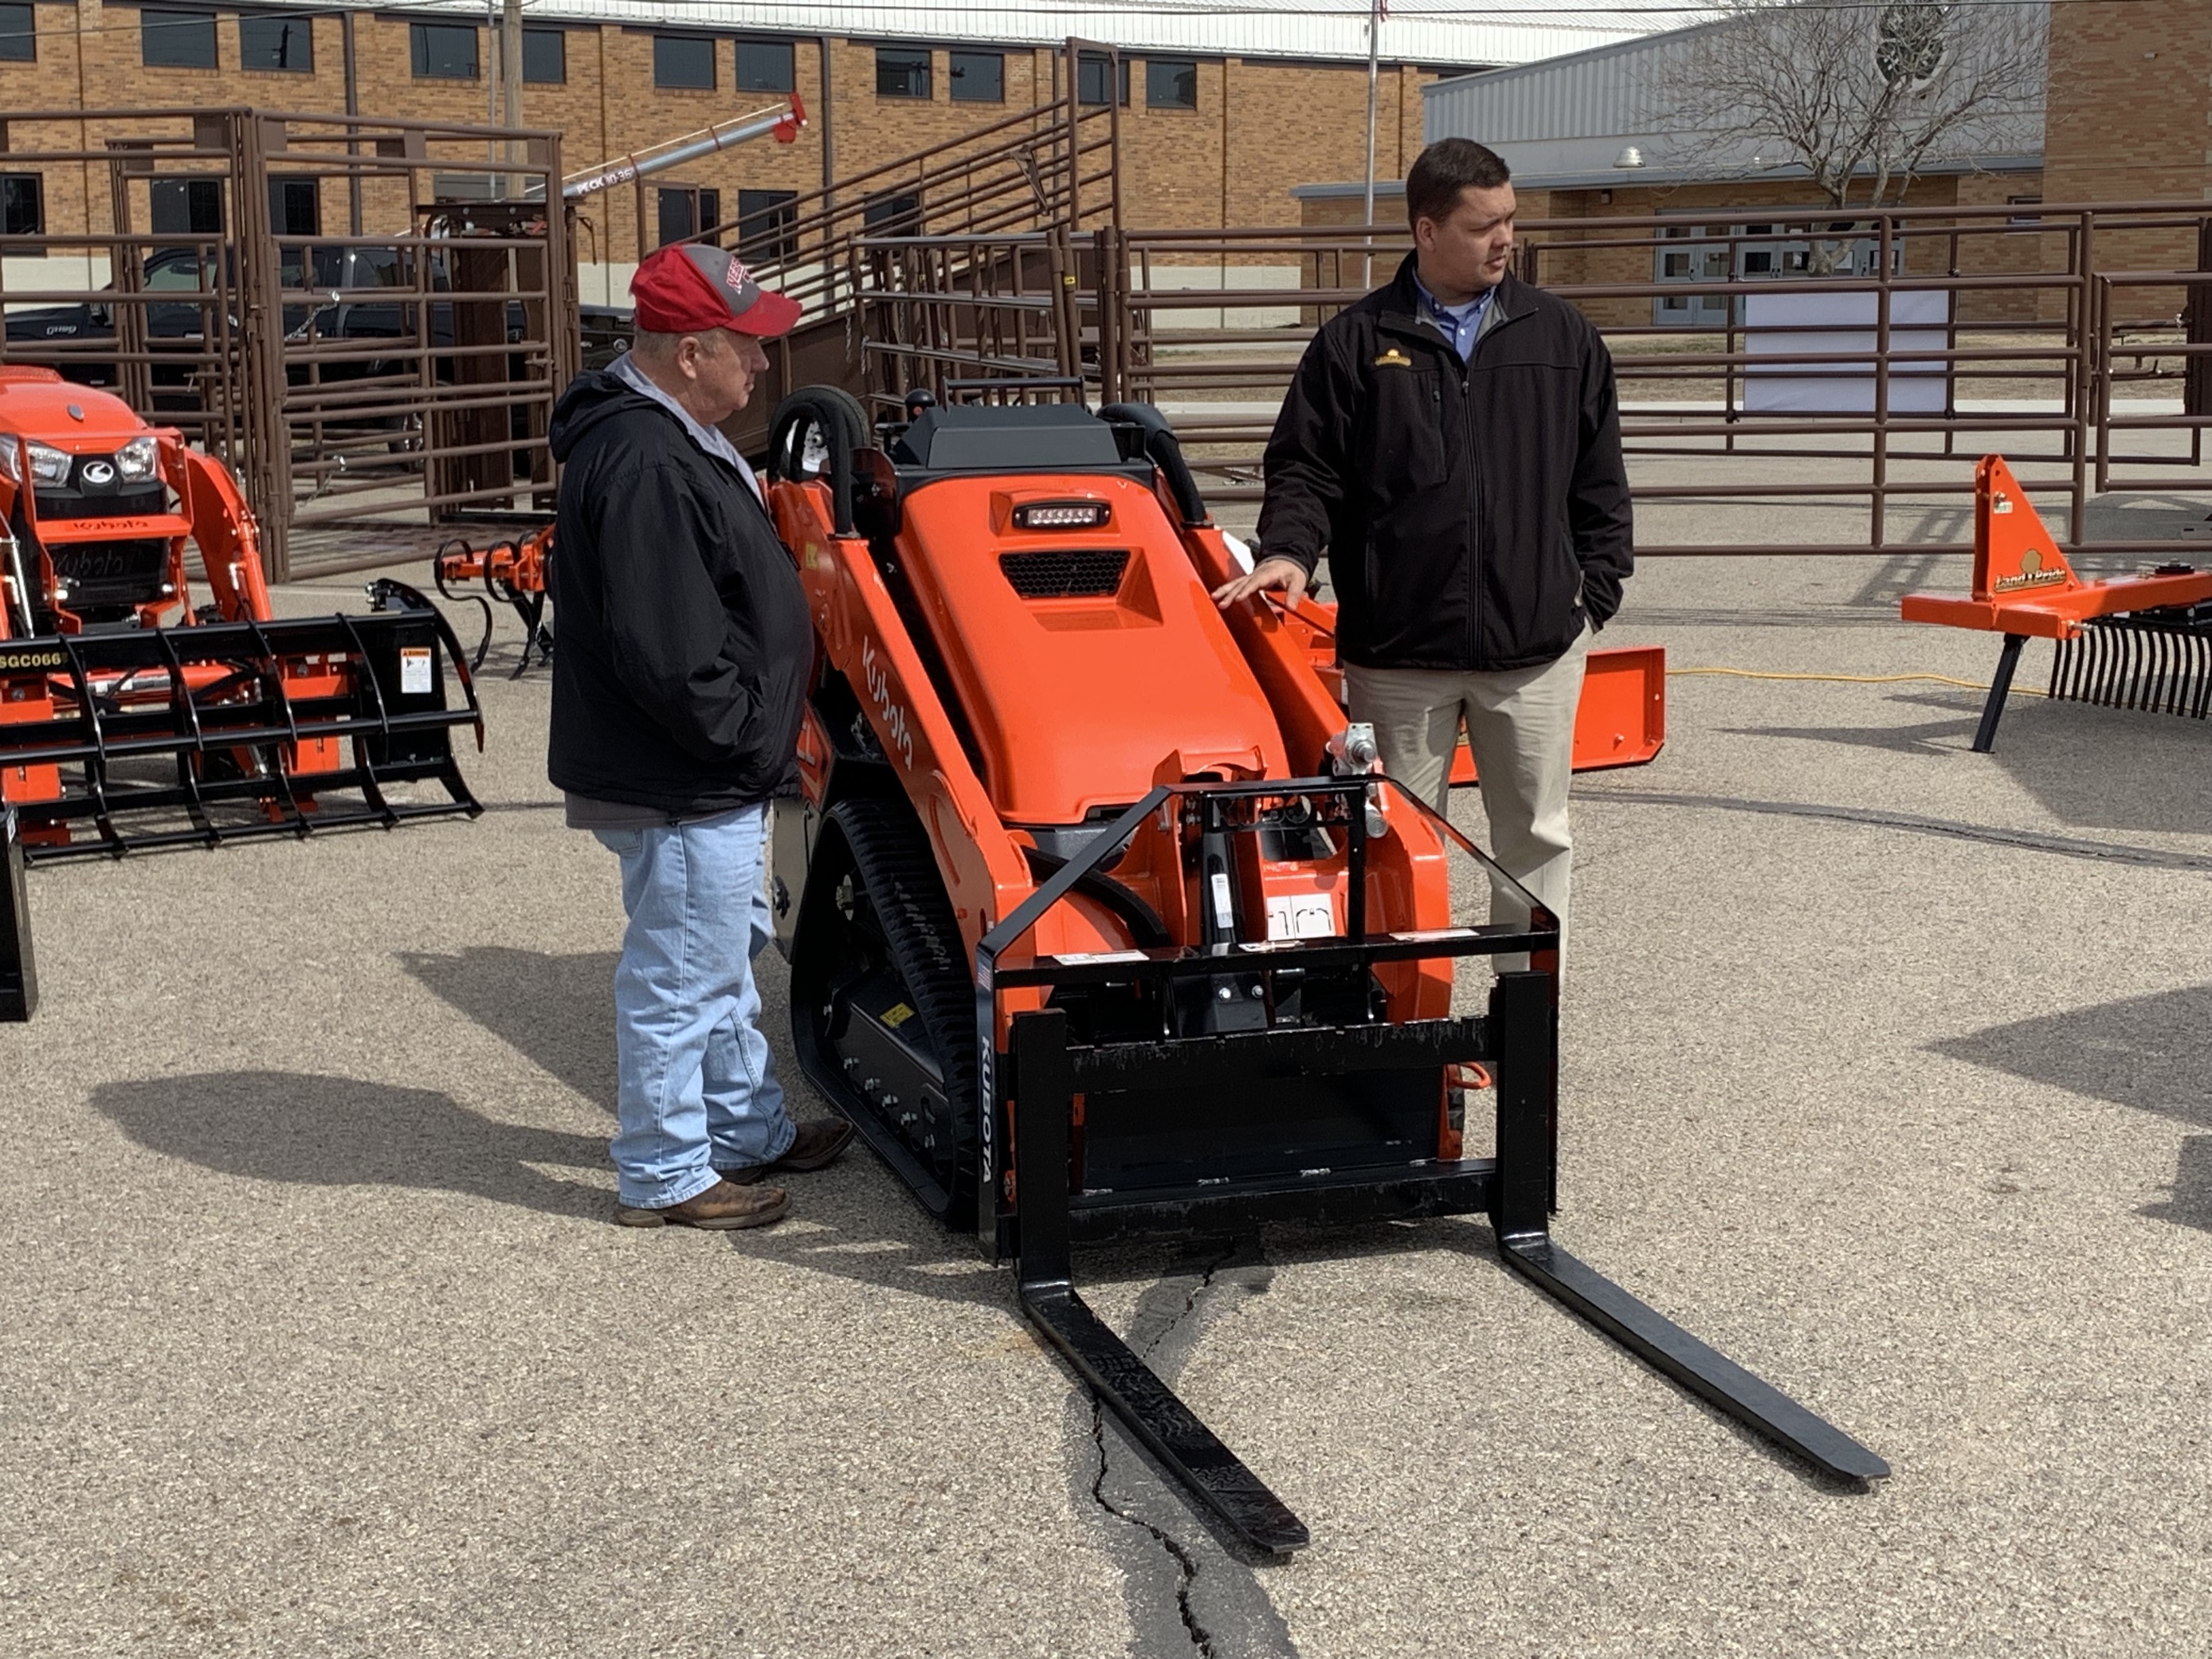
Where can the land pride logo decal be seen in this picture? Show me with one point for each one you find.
(2031, 575)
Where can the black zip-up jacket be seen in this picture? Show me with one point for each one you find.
(685, 643)
(1473, 515)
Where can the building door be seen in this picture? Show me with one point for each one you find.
(1684, 257)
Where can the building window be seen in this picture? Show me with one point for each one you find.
(19, 34)
(683, 62)
(765, 218)
(295, 208)
(2024, 202)
(766, 66)
(892, 214)
(443, 51)
(902, 72)
(176, 39)
(22, 205)
(978, 77)
(686, 210)
(1093, 76)
(277, 43)
(1170, 84)
(188, 207)
(544, 57)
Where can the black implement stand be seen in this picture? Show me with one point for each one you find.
(1212, 1122)
(1985, 734)
(19, 973)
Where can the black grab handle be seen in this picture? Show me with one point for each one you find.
(844, 429)
(1164, 450)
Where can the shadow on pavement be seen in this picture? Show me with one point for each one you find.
(305, 1129)
(2154, 1052)
(2088, 767)
(557, 1012)
(2191, 1203)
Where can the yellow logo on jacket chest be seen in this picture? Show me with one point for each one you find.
(1394, 358)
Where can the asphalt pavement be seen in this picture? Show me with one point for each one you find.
(1888, 1070)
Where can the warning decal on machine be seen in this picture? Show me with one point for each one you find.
(897, 1015)
(414, 671)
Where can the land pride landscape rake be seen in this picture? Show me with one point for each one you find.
(2142, 642)
(1102, 927)
(132, 718)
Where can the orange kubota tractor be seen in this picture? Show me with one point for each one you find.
(1102, 927)
(133, 717)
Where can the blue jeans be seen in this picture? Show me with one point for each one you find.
(697, 1091)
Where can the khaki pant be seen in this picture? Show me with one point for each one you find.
(1521, 727)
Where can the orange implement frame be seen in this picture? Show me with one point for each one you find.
(512, 573)
(2158, 627)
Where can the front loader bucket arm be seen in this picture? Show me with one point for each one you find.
(224, 527)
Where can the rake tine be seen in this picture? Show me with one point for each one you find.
(2203, 676)
(2061, 653)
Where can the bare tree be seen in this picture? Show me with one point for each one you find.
(1863, 96)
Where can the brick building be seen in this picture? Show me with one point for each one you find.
(2131, 121)
(1224, 110)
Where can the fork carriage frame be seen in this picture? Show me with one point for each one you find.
(1031, 1095)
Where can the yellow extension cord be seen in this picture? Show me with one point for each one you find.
(1851, 679)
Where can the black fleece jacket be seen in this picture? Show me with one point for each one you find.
(1474, 515)
(685, 643)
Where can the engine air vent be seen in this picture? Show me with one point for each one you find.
(1070, 574)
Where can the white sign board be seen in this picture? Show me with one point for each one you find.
(1785, 326)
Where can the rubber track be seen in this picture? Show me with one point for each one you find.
(899, 873)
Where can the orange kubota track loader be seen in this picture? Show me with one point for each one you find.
(1100, 925)
(132, 718)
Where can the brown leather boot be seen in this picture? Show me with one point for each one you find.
(722, 1206)
(816, 1146)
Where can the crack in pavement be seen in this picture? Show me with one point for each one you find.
(1191, 1588)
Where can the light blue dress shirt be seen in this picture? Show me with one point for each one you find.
(1461, 325)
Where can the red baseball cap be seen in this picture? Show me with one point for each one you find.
(693, 286)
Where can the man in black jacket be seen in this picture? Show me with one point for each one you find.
(1454, 441)
(685, 648)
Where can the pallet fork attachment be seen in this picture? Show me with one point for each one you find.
(1035, 1096)
(2141, 642)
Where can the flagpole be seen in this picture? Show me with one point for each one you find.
(1374, 52)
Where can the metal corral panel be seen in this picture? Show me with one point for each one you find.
(1417, 30)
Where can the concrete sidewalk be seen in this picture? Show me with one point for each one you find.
(1885, 1071)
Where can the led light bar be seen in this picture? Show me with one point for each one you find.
(1062, 515)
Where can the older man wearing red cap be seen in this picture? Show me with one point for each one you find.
(685, 649)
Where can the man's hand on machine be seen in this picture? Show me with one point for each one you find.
(1286, 574)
